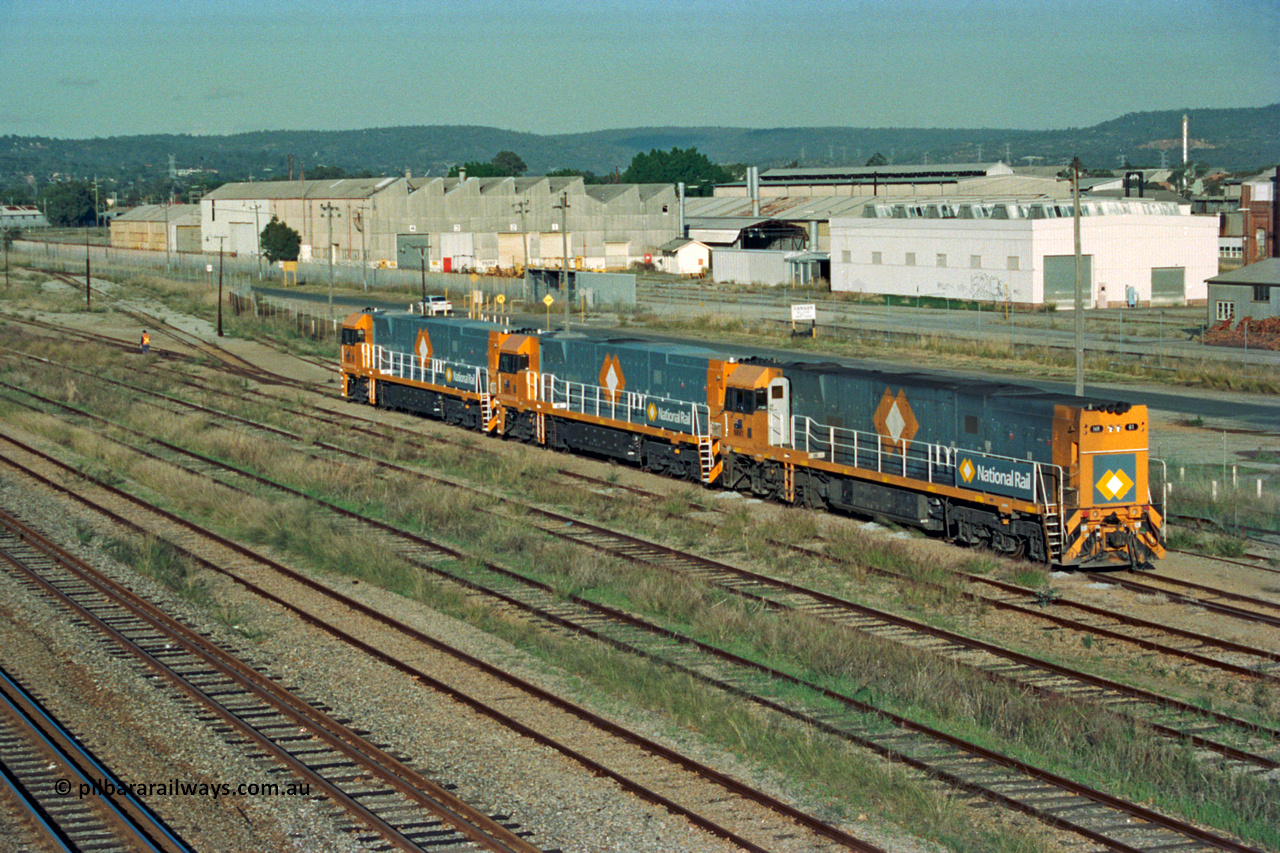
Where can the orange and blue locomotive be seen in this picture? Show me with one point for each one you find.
(1060, 479)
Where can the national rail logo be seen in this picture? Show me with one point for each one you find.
(967, 470)
(652, 412)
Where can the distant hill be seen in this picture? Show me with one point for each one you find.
(1232, 139)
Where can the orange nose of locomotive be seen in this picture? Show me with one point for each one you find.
(1117, 522)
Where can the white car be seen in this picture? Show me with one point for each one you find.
(436, 305)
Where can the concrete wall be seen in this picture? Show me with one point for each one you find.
(750, 266)
(1005, 259)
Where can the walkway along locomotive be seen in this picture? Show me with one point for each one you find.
(1057, 478)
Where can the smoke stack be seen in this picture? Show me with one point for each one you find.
(680, 193)
(753, 188)
(1184, 139)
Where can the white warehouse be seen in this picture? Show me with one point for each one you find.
(1134, 251)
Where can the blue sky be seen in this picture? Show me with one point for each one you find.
(93, 68)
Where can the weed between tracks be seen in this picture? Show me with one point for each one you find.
(1076, 739)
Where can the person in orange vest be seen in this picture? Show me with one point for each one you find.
(146, 342)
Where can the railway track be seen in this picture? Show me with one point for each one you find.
(1168, 716)
(673, 783)
(577, 523)
(58, 783)
(381, 796)
(985, 773)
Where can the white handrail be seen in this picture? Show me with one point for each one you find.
(842, 445)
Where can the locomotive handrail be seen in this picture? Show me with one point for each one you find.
(436, 371)
(627, 406)
(933, 463)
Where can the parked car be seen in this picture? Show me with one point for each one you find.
(436, 305)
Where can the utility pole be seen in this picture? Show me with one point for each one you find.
(87, 299)
(1075, 204)
(357, 219)
(330, 210)
(422, 257)
(258, 231)
(220, 238)
(563, 207)
(523, 207)
(167, 266)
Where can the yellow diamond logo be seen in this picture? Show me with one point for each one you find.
(652, 412)
(448, 374)
(966, 470)
(1114, 485)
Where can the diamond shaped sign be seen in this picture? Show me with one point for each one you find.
(611, 378)
(422, 348)
(1114, 485)
(895, 421)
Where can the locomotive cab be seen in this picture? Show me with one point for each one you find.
(1110, 517)
(757, 409)
(356, 356)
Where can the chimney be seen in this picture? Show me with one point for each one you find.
(408, 174)
(753, 188)
(462, 176)
(680, 200)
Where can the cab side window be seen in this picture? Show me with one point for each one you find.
(509, 362)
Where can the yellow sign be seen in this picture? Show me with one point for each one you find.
(501, 299)
(474, 278)
(547, 300)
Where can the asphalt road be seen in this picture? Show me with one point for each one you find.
(1223, 409)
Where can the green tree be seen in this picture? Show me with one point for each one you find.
(69, 204)
(280, 242)
(509, 163)
(878, 159)
(697, 172)
(476, 169)
(588, 176)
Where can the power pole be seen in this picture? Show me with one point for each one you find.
(523, 207)
(220, 238)
(258, 231)
(330, 210)
(1075, 203)
(357, 219)
(422, 257)
(563, 207)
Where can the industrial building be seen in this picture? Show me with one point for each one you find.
(1250, 291)
(450, 224)
(1135, 252)
(158, 228)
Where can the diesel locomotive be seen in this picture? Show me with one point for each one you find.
(1058, 479)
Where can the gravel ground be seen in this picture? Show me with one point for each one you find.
(157, 735)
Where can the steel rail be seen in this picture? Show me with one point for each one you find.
(813, 824)
(444, 805)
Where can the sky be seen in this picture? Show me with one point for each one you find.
(95, 69)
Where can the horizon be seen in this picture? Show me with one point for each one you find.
(1190, 111)
(216, 69)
